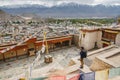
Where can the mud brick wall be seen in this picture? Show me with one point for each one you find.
(98, 64)
(76, 40)
(1, 56)
(10, 54)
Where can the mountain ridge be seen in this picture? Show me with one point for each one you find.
(60, 5)
(4, 16)
(67, 10)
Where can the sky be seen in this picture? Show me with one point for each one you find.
(51, 3)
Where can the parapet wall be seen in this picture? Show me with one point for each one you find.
(98, 65)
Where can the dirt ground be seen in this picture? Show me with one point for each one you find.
(18, 66)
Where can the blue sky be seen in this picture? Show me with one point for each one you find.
(50, 3)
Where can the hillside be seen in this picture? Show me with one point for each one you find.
(8, 17)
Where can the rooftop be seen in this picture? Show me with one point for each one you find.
(61, 60)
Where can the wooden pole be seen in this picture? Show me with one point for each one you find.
(47, 52)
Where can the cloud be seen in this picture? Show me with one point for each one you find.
(107, 2)
(50, 3)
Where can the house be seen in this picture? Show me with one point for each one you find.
(110, 36)
(90, 38)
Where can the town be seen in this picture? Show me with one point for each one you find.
(51, 47)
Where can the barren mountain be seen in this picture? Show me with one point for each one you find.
(8, 17)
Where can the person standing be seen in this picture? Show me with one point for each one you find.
(83, 54)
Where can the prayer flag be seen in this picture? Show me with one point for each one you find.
(101, 75)
(89, 76)
(43, 48)
(75, 77)
(41, 78)
(114, 72)
(58, 78)
(81, 76)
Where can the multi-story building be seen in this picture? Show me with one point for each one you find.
(32, 45)
(97, 38)
(110, 36)
(90, 38)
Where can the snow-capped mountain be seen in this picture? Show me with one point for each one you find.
(69, 10)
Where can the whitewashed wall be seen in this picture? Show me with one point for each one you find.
(88, 42)
(99, 38)
(117, 41)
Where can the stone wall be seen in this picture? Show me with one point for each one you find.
(10, 54)
(76, 40)
(98, 64)
(99, 38)
(1, 56)
(21, 52)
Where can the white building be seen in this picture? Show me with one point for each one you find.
(90, 38)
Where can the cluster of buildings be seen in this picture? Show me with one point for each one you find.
(26, 40)
(24, 36)
(99, 37)
(31, 38)
(22, 40)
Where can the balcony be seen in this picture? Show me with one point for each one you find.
(106, 40)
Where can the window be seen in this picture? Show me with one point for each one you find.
(84, 35)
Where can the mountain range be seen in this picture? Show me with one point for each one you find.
(4, 16)
(71, 10)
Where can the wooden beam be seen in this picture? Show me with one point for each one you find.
(4, 57)
(16, 54)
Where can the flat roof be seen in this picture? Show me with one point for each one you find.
(109, 55)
